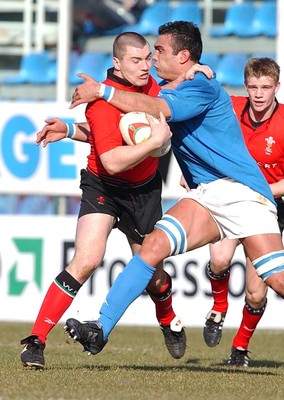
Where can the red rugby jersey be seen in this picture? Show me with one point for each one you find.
(265, 143)
(103, 120)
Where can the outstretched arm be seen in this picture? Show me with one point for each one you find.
(55, 130)
(91, 90)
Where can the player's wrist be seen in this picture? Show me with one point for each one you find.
(71, 130)
(106, 92)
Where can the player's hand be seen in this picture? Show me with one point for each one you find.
(189, 75)
(205, 69)
(160, 132)
(85, 92)
(54, 131)
(184, 184)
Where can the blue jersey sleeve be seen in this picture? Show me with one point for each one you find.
(191, 98)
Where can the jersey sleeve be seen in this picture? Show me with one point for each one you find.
(190, 98)
(103, 120)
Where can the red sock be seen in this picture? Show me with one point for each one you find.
(58, 298)
(220, 290)
(247, 328)
(163, 303)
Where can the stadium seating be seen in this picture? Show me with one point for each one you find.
(211, 59)
(92, 63)
(187, 11)
(34, 68)
(265, 19)
(152, 17)
(230, 69)
(263, 22)
(237, 19)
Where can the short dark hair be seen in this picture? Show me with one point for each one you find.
(127, 39)
(185, 36)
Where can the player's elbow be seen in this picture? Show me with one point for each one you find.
(113, 168)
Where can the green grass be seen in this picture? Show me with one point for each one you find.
(136, 365)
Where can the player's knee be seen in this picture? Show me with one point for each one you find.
(219, 265)
(83, 267)
(156, 244)
(256, 299)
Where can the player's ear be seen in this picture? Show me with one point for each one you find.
(184, 56)
(116, 64)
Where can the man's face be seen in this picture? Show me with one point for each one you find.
(166, 63)
(261, 92)
(135, 65)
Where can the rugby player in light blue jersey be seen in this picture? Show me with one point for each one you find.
(229, 198)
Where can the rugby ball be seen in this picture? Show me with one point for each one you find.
(135, 128)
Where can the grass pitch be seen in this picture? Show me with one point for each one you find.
(135, 365)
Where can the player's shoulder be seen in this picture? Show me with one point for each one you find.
(280, 109)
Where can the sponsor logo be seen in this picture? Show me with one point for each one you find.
(26, 246)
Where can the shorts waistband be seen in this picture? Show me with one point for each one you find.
(109, 180)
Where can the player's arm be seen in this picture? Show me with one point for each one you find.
(184, 184)
(91, 90)
(277, 189)
(189, 75)
(55, 130)
(122, 158)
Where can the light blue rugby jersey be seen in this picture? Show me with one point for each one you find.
(207, 139)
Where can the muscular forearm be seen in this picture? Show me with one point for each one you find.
(128, 101)
(82, 132)
(91, 90)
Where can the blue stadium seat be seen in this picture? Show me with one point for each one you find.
(230, 69)
(151, 18)
(265, 19)
(263, 23)
(109, 61)
(237, 18)
(211, 59)
(34, 68)
(53, 66)
(92, 63)
(187, 11)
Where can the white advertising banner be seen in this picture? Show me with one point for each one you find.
(27, 168)
(33, 251)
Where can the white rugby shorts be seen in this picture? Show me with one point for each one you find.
(238, 210)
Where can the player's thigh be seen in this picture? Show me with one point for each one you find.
(200, 227)
(259, 245)
(91, 236)
(197, 225)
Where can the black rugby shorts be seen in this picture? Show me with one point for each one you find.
(136, 209)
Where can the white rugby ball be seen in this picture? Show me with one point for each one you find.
(135, 128)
